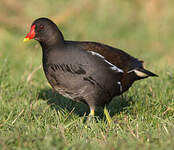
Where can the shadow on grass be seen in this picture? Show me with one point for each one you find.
(56, 101)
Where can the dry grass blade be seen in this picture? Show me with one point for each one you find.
(17, 116)
(165, 128)
(104, 137)
(69, 114)
(32, 73)
(136, 135)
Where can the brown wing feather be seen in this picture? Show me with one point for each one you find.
(115, 56)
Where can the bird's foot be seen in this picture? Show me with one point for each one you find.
(90, 119)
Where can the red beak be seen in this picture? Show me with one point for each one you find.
(31, 34)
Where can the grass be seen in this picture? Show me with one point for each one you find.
(32, 117)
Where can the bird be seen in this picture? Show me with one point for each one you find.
(85, 71)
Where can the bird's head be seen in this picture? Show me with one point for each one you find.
(44, 30)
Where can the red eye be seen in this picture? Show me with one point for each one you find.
(41, 27)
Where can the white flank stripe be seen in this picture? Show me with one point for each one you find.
(97, 54)
(113, 67)
(120, 86)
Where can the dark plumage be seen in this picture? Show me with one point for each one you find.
(87, 72)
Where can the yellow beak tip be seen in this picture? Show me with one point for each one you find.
(26, 39)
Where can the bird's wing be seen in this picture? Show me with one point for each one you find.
(115, 56)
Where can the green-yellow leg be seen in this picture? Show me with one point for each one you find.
(92, 112)
(108, 117)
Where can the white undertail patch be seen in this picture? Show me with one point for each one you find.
(113, 67)
(138, 73)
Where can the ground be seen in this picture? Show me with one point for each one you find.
(33, 117)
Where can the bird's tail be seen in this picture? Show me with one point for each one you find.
(141, 72)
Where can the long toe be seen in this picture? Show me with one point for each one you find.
(90, 121)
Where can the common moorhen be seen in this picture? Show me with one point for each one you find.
(83, 71)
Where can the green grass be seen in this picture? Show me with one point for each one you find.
(32, 117)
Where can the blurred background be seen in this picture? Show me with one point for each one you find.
(144, 29)
(31, 116)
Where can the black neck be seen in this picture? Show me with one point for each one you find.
(55, 39)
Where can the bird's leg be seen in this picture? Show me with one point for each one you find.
(92, 112)
(108, 117)
(90, 120)
(91, 115)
